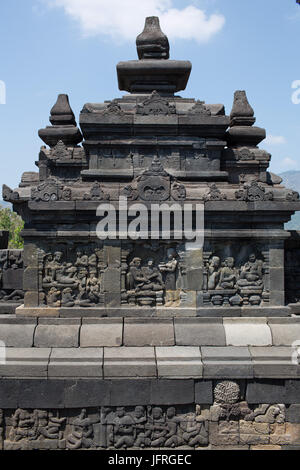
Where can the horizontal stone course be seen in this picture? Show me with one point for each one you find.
(247, 332)
(178, 361)
(199, 332)
(16, 334)
(226, 362)
(129, 362)
(25, 362)
(148, 332)
(101, 332)
(57, 333)
(76, 362)
(274, 362)
(285, 331)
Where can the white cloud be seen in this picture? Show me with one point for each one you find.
(289, 164)
(275, 140)
(124, 19)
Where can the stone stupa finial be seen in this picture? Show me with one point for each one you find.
(64, 127)
(241, 111)
(62, 113)
(152, 43)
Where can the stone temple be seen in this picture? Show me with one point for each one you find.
(116, 343)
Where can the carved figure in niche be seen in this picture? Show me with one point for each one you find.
(140, 420)
(15, 259)
(46, 425)
(135, 277)
(251, 274)
(153, 278)
(157, 430)
(67, 298)
(228, 275)
(178, 191)
(94, 290)
(124, 429)
(173, 439)
(213, 272)
(82, 433)
(53, 297)
(62, 270)
(169, 269)
(22, 426)
(49, 271)
(195, 433)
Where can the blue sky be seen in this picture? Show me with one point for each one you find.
(72, 46)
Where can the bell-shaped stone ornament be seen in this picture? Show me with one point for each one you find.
(152, 43)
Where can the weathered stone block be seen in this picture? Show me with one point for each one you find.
(178, 361)
(204, 392)
(101, 332)
(129, 362)
(265, 391)
(25, 362)
(17, 334)
(199, 332)
(168, 392)
(148, 332)
(43, 393)
(57, 333)
(226, 362)
(274, 362)
(285, 331)
(87, 393)
(133, 392)
(247, 332)
(76, 362)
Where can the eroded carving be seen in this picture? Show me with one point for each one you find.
(76, 282)
(228, 284)
(155, 105)
(254, 191)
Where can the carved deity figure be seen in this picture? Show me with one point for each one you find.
(195, 433)
(53, 297)
(153, 278)
(157, 429)
(228, 275)
(124, 429)
(22, 426)
(251, 274)
(62, 270)
(213, 272)
(67, 298)
(82, 432)
(140, 420)
(169, 269)
(173, 439)
(46, 425)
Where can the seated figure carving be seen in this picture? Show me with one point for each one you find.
(251, 274)
(228, 275)
(213, 273)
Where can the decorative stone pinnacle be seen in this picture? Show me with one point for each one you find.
(152, 43)
(64, 127)
(242, 113)
(62, 113)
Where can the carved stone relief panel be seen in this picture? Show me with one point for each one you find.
(236, 276)
(71, 275)
(150, 275)
(11, 275)
(229, 421)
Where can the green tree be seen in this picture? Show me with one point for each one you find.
(12, 222)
